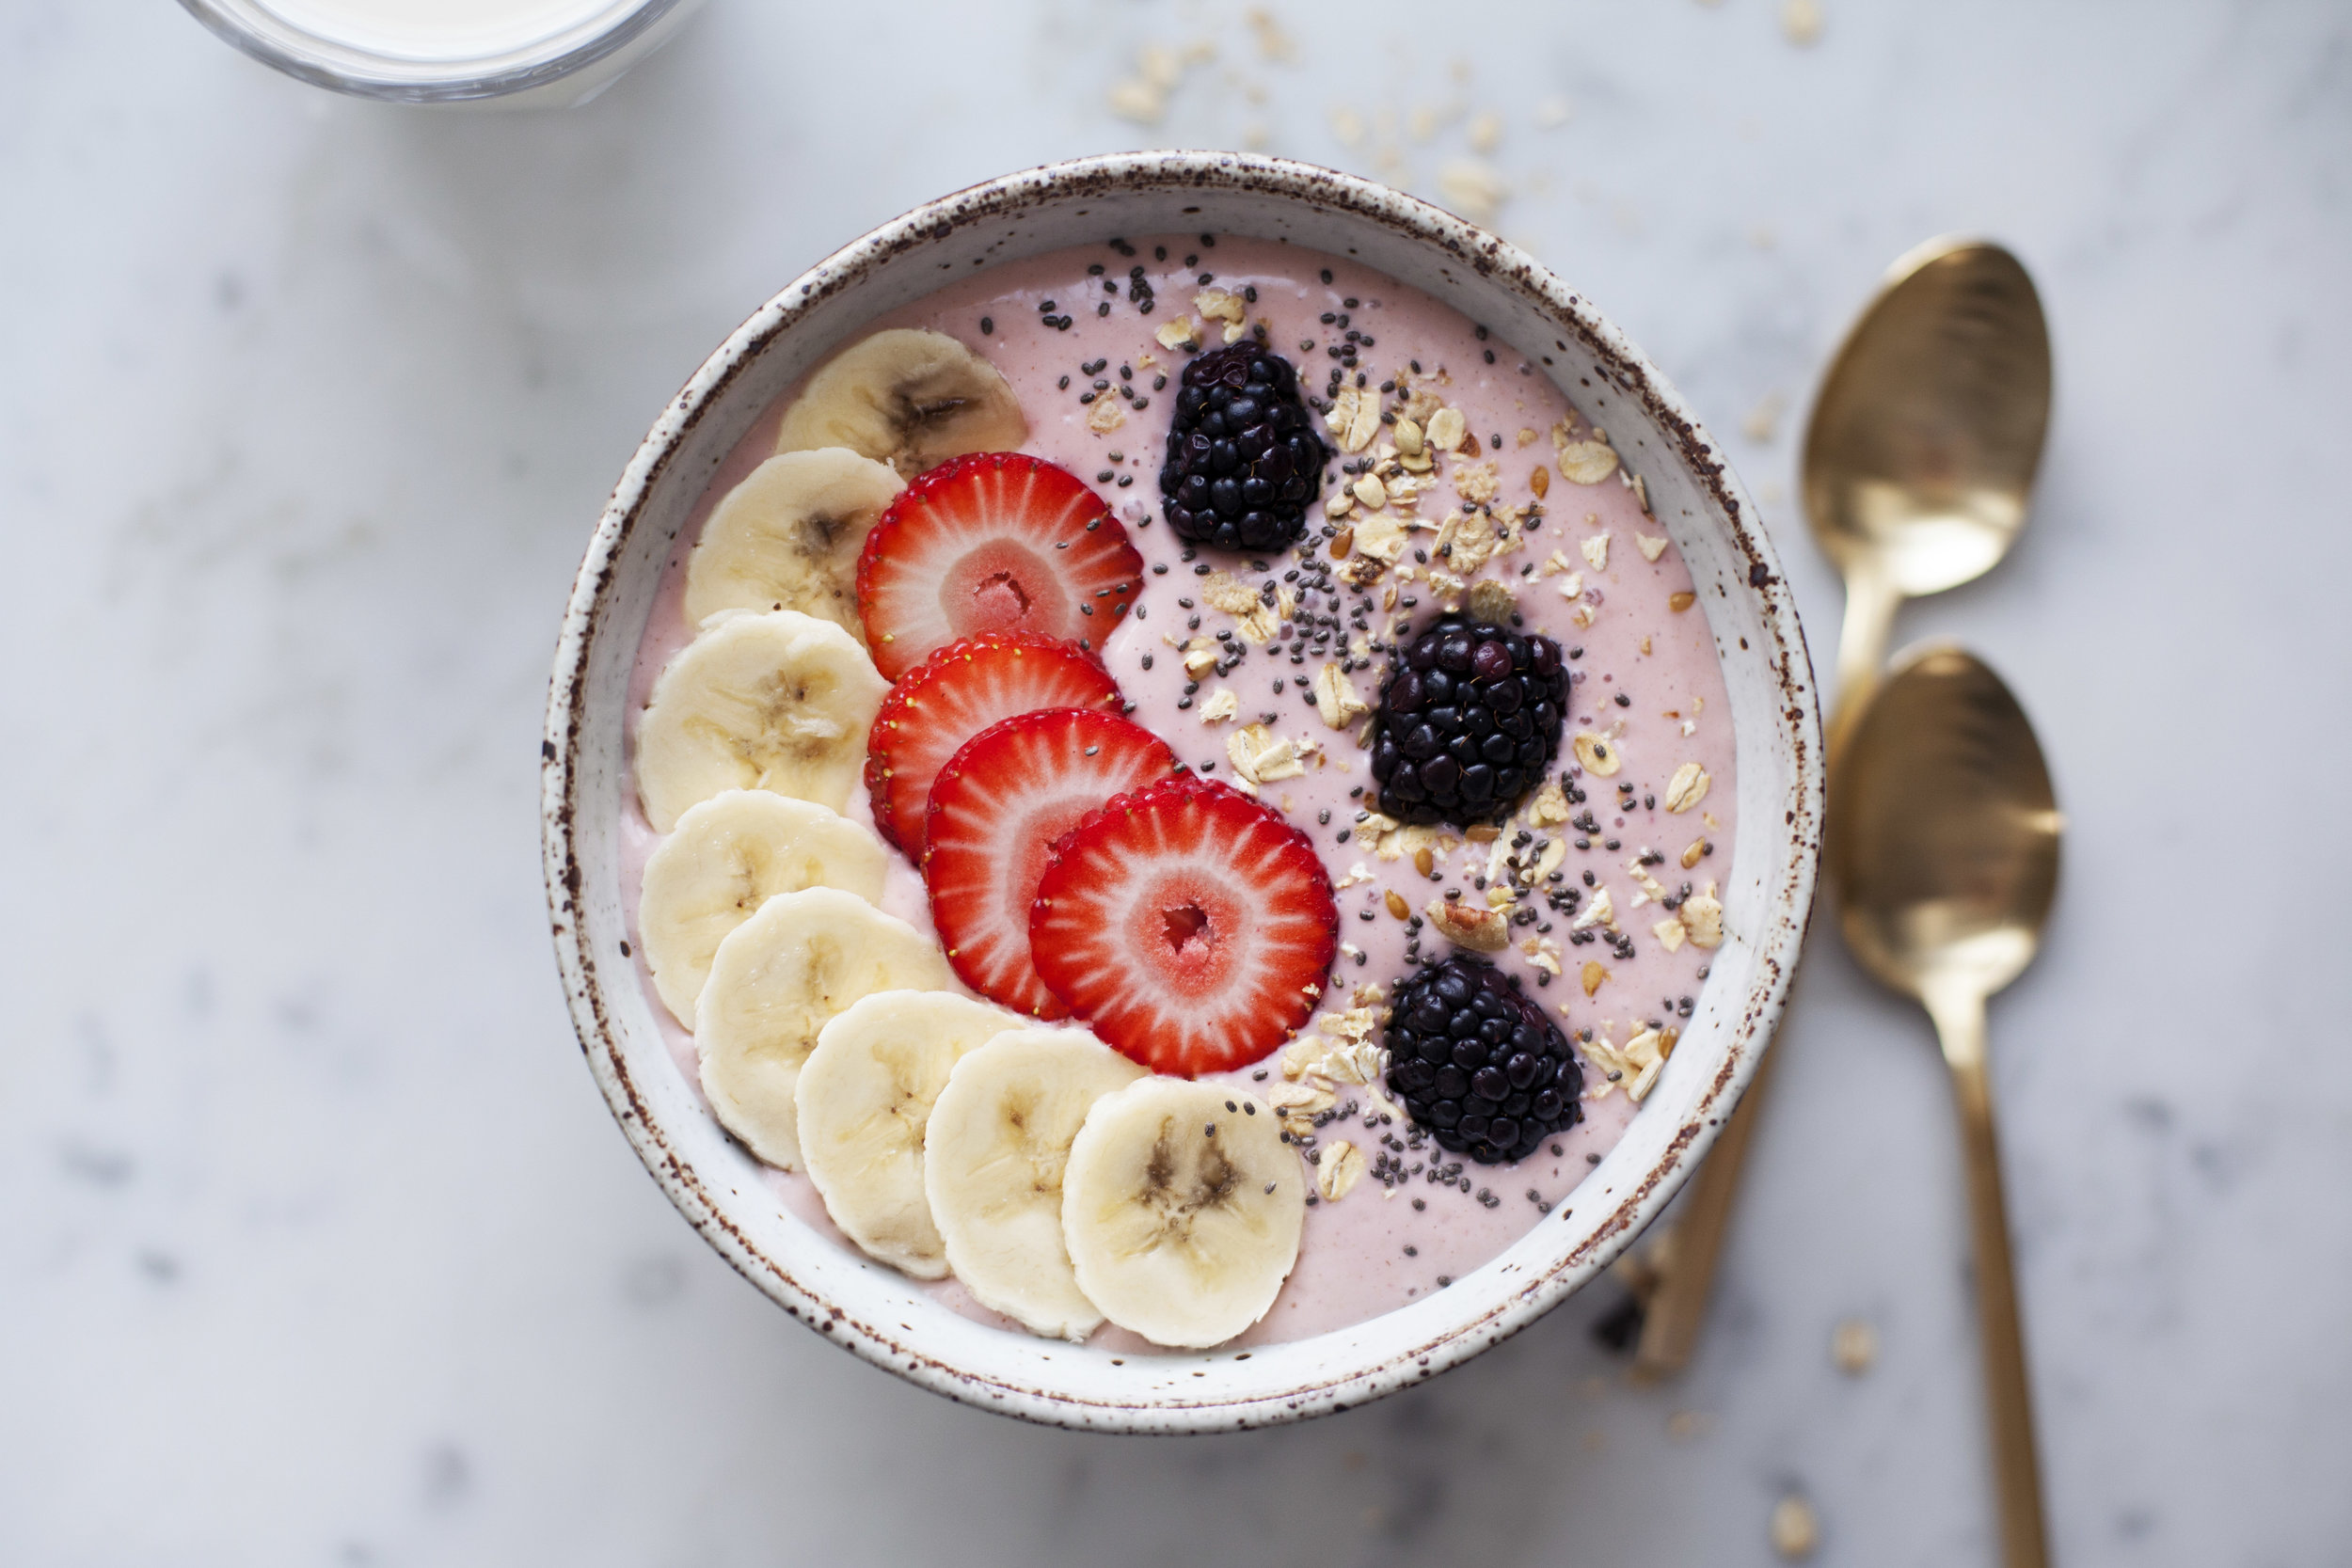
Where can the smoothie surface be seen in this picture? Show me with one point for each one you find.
(1597, 932)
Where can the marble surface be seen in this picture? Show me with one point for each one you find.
(316, 1242)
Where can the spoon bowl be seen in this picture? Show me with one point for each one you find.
(1924, 439)
(1945, 845)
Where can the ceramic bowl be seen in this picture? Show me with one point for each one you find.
(880, 1315)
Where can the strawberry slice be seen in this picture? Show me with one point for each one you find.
(996, 810)
(994, 541)
(1189, 926)
(952, 696)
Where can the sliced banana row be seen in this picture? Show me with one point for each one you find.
(865, 1100)
(1181, 1208)
(1057, 1180)
(775, 982)
(1061, 1182)
(780, 702)
(909, 398)
(999, 1137)
(787, 537)
(728, 856)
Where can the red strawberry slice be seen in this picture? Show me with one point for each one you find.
(952, 696)
(996, 810)
(994, 541)
(1189, 926)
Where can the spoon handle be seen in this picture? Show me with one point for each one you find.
(1678, 1307)
(2024, 1541)
(1871, 600)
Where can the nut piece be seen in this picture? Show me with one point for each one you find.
(1670, 932)
(1583, 462)
(1540, 482)
(1382, 538)
(1598, 911)
(1550, 805)
(1702, 917)
(1652, 547)
(1447, 429)
(1257, 623)
(1180, 333)
(1409, 439)
(1687, 788)
(1337, 698)
(1491, 601)
(1646, 1053)
(1466, 926)
(1694, 852)
(1398, 906)
(1340, 1168)
(1224, 593)
(1223, 703)
(1680, 602)
(1597, 551)
(1545, 864)
(1599, 753)
(1477, 483)
(1592, 977)
(1468, 539)
(1217, 304)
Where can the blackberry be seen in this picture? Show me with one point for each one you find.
(1475, 1061)
(1242, 456)
(1468, 721)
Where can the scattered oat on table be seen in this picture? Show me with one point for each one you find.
(1795, 1531)
(1854, 1346)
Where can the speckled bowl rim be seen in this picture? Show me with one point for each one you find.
(1710, 1067)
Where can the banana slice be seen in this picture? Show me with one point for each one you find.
(788, 538)
(1182, 1209)
(730, 855)
(775, 982)
(780, 702)
(909, 398)
(993, 1159)
(864, 1097)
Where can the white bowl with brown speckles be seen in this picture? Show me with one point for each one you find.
(887, 1318)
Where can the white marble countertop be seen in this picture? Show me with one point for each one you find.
(316, 1242)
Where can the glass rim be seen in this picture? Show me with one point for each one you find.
(340, 66)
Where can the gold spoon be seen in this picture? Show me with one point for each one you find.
(1918, 458)
(1943, 851)
(1924, 440)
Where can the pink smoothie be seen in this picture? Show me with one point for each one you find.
(1585, 565)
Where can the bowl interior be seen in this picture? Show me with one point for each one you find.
(877, 1312)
